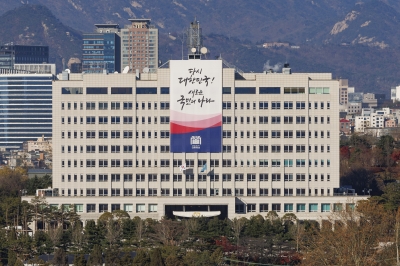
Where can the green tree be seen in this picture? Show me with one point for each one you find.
(60, 258)
(96, 257)
(141, 258)
(155, 258)
(79, 260)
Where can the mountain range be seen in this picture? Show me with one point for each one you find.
(353, 39)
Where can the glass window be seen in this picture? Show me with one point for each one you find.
(140, 208)
(128, 207)
(301, 207)
(288, 207)
(313, 207)
(325, 207)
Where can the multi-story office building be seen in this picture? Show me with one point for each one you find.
(22, 54)
(139, 46)
(197, 139)
(102, 49)
(26, 107)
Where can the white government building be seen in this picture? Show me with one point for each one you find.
(260, 142)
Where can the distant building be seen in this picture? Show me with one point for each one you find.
(41, 144)
(343, 91)
(22, 54)
(26, 101)
(139, 46)
(345, 126)
(101, 49)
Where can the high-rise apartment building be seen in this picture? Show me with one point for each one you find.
(197, 139)
(139, 46)
(26, 108)
(102, 49)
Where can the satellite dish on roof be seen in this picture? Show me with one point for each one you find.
(126, 70)
(203, 50)
(146, 70)
(193, 50)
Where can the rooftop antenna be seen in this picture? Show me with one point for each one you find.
(195, 40)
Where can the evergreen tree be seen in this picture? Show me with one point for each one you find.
(96, 257)
(155, 258)
(60, 258)
(79, 260)
(141, 258)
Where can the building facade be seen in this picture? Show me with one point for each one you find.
(139, 46)
(22, 54)
(278, 146)
(102, 49)
(26, 107)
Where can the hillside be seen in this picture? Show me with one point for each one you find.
(36, 25)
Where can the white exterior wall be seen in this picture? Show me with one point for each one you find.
(316, 127)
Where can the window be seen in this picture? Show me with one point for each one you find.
(263, 162)
(263, 119)
(226, 120)
(226, 134)
(103, 163)
(288, 207)
(275, 119)
(89, 149)
(128, 207)
(115, 163)
(177, 178)
(152, 192)
(313, 207)
(115, 134)
(288, 148)
(275, 149)
(239, 208)
(140, 192)
(202, 192)
(115, 105)
(288, 177)
(300, 148)
(251, 207)
(90, 106)
(164, 119)
(288, 134)
(226, 192)
(177, 192)
(276, 177)
(275, 134)
(288, 119)
(164, 134)
(275, 105)
(103, 105)
(239, 192)
(140, 207)
(300, 177)
(300, 105)
(276, 207)
(128, 163)
(300, 119)
(263, 105)
(103, 192)
(90, 207)
(128, 134)
(226, 177)
(288, 105)
(251, 177)
(90, 163)
(300, 134)
(103, 134)
(226, 163)
(90, 120)
(128, 177)
(300, 162)
(127, 105)
(263, 134)
(263, 177)
(300, 192)
(239, 177)
(300, 207)
(263, 191)
(263, 148)
(128, 119)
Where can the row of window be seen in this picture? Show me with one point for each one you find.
(104, 207)
(113, 105)
(275, 105)
(225, 163)
(290, 207)
(103, 120)
(287, 177)
(288, 120)
(262, 134)
(114, 134)
(165, 149)
(201, 192)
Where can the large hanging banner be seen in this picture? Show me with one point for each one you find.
(196, 105)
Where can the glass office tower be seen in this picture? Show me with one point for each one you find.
(25, 108)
